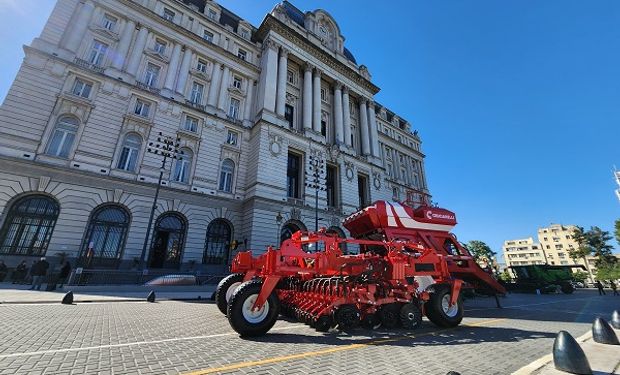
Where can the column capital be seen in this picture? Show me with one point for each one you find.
(364, 100)
(270, 44)
(318, 71)
(284, 52)
(338, 85)
(345, 89)
(308, 67)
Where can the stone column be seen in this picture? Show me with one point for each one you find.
(118, 61)
(184, 71)
(346, 117)
(216, 77)
(363, 112)
(221, 102)
(338, 113)
(316, 101)
(136, 52)
(307, 97)
(173, 67)
(374, 134)
(282, 69)
(269, 67)
(77, 32)
(247, 108)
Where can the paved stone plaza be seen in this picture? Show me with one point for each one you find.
(179, 337)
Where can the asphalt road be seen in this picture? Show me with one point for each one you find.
(185, 337)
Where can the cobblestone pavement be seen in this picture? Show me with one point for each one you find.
(177, 337)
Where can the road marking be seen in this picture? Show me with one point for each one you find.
(317, 353)
(53, 351)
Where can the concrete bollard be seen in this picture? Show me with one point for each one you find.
(151, 297)
(603, 333)
(68, 298)
(615, 319)
(568, 355)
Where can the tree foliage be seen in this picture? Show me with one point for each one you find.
(617, 231)
(580, 276)
(583, 246)
(505, 276)
(608, 271)
(480, 251)
(592, 242)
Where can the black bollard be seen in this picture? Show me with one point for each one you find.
(497, 301)
(151, 297)
(453, 373)
(615, 319)
(603, 333)
(68, 298)
(568, 355)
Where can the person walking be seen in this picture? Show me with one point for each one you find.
(39, 272)
(19, 274)
(599, 285)
(614, 287)
(64, 273)
(3, 270)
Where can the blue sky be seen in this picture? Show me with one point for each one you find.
(517, 102)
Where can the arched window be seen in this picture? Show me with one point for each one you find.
(29, 225)
(226, 175)
(217, 245)
(183, 166)
(168, 241)
(63, 137)
(105, 237)
(289, 228)
(129, 153)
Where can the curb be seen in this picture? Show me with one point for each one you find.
(47, 302)
(543, 361)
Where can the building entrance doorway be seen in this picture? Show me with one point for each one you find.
(167, 241)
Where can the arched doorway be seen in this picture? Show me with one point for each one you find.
(340, 233)
(29, 225)
(289, 228)
(168, 241)
(217, 244)
(105, 237)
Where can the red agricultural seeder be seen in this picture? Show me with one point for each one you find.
(390, 282)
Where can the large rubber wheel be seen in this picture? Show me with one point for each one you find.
(225, 290)
(410, 316)
(438, 309)
(347, 317)
(390, 315)
(240, 315)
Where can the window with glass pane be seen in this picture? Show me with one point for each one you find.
(231, 138)
(81, 88)
(109, 22)
(182, 166)
(212, 14)
(169, 239)
(97, 53)
(142, 108)
(196, 94)
(233, 110)
(28, 226)
(63, 137)
(226, 175)
(237, 82)
(129, 153)
(244, 33)
(288, 115)
(160, 46)
(168, 15)
(202, 66)
(190, 124)
(331, 181)
(242, 54)
(151, 75)
(290, 77)
(293, 176)
(208, 36)
(105, 237)
(217, 243)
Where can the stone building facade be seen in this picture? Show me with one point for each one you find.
(260, 118)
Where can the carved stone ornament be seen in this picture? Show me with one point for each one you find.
(296, 214)
(275, 146)
(290, 99)
(377, 181)
(349, 170)
(334, 221)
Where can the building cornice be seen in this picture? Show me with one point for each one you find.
(270, 23)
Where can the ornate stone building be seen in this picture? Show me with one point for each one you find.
(261, 117)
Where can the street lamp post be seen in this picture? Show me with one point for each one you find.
(167, 147)
(278, 234)
(314, 181)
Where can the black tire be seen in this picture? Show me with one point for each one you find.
(347, 317)
(370, 321)
(440, 315)
(222, 293)
(410, 316)
(390, 315)
(238, 315)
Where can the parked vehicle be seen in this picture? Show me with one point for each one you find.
(543, 279)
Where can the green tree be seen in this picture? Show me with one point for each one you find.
(583, 246)
(608, 271)
(481, 251)
(598, 239)
(505, 276)
(617, 231)
(580, 276)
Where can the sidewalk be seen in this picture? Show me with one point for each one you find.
(15, 294)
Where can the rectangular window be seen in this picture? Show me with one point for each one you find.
(81, 88)
(151, 75)
(208, 36)
(232, 138)
(212, 14)
(160, 46)
(233, 109)
(290, 77)
(190, 124)
(97, 53)
(362, 190)
(289, 115)
(142, 108)
(324, 128)
(242, 54)
(168, 15)
(324, 95)
(109, 22)
(202, 66)
(237, 82)
(331, 182)
(293, 176)
(245, 34)
(196, 94)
